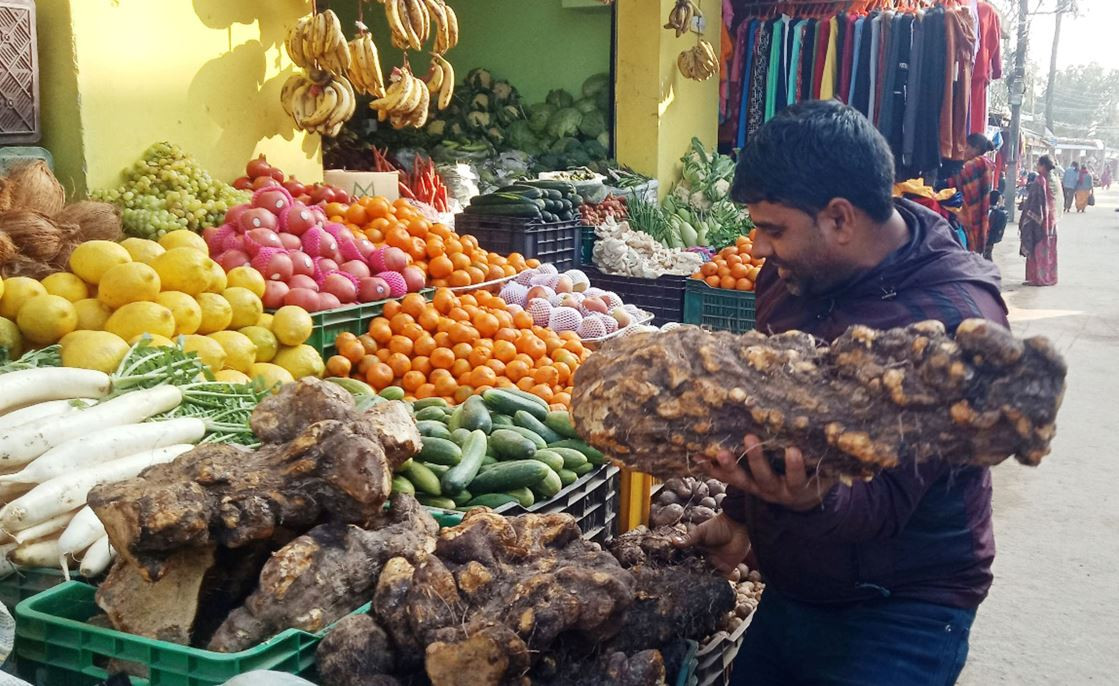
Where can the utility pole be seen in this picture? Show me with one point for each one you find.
(1018, 79)
(1062, 7)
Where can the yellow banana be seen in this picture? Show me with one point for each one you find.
(421, 112)
(396, 93)
(304, 102)
(327, 101)
(396, 23)
(439, 24)
(435, 76)
(318, 36)
(409, 29)
(294, 44)
(412, 99)
(447, 85)
(452, 26)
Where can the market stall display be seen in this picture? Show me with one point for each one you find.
(259, 173)
(732, 268)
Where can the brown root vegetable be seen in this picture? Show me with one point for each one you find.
(8, 248)
(96, 221)
(32, 186)
(36, 235)
(869, 401)
(355, 650)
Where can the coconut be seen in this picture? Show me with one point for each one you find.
(97, 221)
(33, 187)
(25, 266)
(36, 236)
(8, 248)
(5, 195)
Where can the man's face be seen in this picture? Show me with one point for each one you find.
(802, 247)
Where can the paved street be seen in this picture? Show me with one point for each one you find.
(1053, 614)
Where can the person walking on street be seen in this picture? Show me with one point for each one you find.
(1084, 189)
(1105, 177)
(1038, 227)
(976, 181)
(871, 582)
(997, 224)
(1068, 184)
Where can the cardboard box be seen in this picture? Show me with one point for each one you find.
(358, 183)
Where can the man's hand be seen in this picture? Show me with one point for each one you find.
(794, 490)
(724, 542)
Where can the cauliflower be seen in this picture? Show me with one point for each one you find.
(623, 251)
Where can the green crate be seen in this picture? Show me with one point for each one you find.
(326, 325)
(24, 583)
(58, 647)
(687, 674)
(719, 308)
(587, 240)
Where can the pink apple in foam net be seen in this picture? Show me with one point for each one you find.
(372, 289)
(212, 236)
(273, 263)
(564, 285)
(595, 304)
(341, 286)
(365, 247)
(303, 281)
(233, 241)
(233, 214)
(256, 218)
(623, 318)
(257, 239)
(543, 292)
(328, 301)
(303, 297)
(231, 259)
(356, 268)
(274, 292)
(301, 263)
(326, 265)
(414, 277)
(395, 259)
(274, 200)
(299, 218)
(290, 241)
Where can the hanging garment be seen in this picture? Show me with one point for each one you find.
(796, 41)
(823, 43)
(860, 86)
(807, 61)
(742, 95)
(726, 59)
(926, 154)
(912, 99)
(846, 56)
(741, 67)
(827, 78)
(959, 32)
(883, 67)
(895, 90)
(872, 66)
(856, 55)
(988, 65)
(756, 93)
(773, 80)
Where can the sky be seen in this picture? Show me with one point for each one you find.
(1093, 36)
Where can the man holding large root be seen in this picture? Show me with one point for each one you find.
(870, 582)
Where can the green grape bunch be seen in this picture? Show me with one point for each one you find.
(167, 190)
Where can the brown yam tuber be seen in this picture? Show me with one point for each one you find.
(355, 650)
(869, 401)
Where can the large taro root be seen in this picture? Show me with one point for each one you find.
(869, 401)
(334, 466)
(326, 573)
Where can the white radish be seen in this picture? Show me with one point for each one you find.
(106, 445)
(83, 530)
(44, 528)
(51, 408)
(69, 491)
(25, 443)
(50, 383)
(97, 558)
(42, 553)
(6, 566)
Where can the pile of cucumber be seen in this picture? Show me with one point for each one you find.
(546, 201)
(504, 446)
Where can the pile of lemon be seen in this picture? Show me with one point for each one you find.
(116, 293)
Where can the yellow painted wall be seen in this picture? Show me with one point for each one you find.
(205, 74)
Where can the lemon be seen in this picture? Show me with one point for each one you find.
(1, 289)
(154, 340)
(67, 285)
(90, 260)
(182, 238)
(292, 325)
(11, 340)
(246, 306)
(231, 376)
(301, 360)
(142, 250)
(240, 352)
(98, 350)
(208, 350)
(141, 317)
(46, 318)
(218, 281)
(92, 314)
(216, 313)
(271, 376)
(128, 283)
(183, 269)
(17, 291)
(265, 321)
(247, 277)
(185, 309)
(265, 342)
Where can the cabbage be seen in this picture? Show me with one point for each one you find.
(563, 145)
(585, 105)
(521, 136)
(559, 98)
(594, 149)
(592, 124)
(595, 85)
(539, 116)
(604, 140)
(565, 122)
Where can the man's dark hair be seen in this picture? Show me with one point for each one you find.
(1046, 162)
(1075, 165)
(995, 197)
(814, 152)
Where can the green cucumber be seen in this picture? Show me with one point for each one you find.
(428, 402)
(523, 495)
(402, 485)
(509, 444)
(403, 465)
(433, 429)
(424, 480)
(487, 466)
(526, 191)
(459, 436)
(560, 422)
(525, 420)
(503, 400)
(455, 420)
(491, 500)
(475, 415)
(431, 414)
(567, 477)
(488, 460)
(437, 469)
(527, 209)
(473, 452)
(593, 456)
(436, 501)
(571, 458)
(529, 397)
(510, 475)
(585, 469)
(531, 435)
(549, 486)
(553, 460)
(462, 498)
(440, 451)
(392, 393)
(502, 420)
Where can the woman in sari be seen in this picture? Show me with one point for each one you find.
(1038, 227)
(975, 181)
(1083, 188)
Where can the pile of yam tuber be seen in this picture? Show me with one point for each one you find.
(870, 400)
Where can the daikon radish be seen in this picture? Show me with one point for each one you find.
(6, 566)
(106, 445)
(50, 383)
(25, 443)
(83, 530)
(45, 528)
(31, 413)
(42, 553)
(69, 491)
(97, 558)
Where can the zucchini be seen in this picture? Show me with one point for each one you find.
(491, 500)
(549, 486)
(523, 495)
(502, 420)
(571, 458)
(462, 498)
(506, 198)
(526, 209)
(423, 479)
(510, 445)
(434, 429)
(439, 451)
(435, 501)
(420, 404)
(527, 421)
(531, 435)
(524, 191)
(593, 456)
(554, 194)
(585, 469)
(430, 414)
(529, 397)
(505, 401)
(475, 415)
(402, 485)
(455, 420)
(561, 423)
(509, 475)
(437, 469)
(567, 477)
(473, 452)
(553, 460)
(392, 393)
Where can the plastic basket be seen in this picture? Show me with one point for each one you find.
(687, 674)
(556, 243)
(719, 308)
(327, 324)
(715, 656)
(24, 583)
(663, 297)
(587, 239)
(56, 644)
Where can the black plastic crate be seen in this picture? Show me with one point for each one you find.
(556, 243)
(719, 308)
(663, 297)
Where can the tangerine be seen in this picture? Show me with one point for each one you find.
(379, 375)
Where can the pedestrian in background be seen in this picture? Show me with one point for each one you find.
(976, 180)
(1038, 227)
(1084, 185)
(1068, 184)
(996, 224)
(1105, 177)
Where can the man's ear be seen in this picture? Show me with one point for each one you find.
(840, 217)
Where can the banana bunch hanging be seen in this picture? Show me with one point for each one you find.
(699, 63)
(412, 22)
(407, 100)
(681, 15)
(365, 68)
(318, 101)
(317, 41)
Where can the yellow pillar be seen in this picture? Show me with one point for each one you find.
(119, 75)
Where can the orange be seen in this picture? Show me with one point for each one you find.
(476, 274)
(483, 376)
(426, 390)
(399, 320)
(712, 281)
(525, 383)
(383, 354)
(553, 342)
(534, 347)
(454, 243)
(566, 358)
(419, 227)
(338, 366)
(444, 299)
(379, 376)
(335, 209)
(504, 382)
(356, 214)
(459, 314)
(562, 398)
(390, 309)
(482, 389)
(400, 344)
(367, 342)
(400, 364)
(442, 338)
(375, 236)
(413, 305)
(506, 333)
(516, 370)
(441, 230)
(412, 331)
(351, 349)
(435, 247)
(428, 319)
(496, 365)
(442, 358)
(412, 380)
(445, 385)
(546, 375)
(364, 365)
(726, 282)
(739, 271)
(462, 351)
(522, 320)
(463, 393)
(532, 263)
(467, 300)
(542, 391)
(494, 272)
(544, 361)
(504, 350)
(709, 268)
(377, 206)
(574, 346)
(418, 249)
(380, 330)
(399, 238)
(459, 278)
(460, 260)
(422, 364)
(509, 270)
(479, 356)
(743, 284)
(424, 344)
(463, 333)
(460, 367)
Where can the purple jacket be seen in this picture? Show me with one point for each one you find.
(916, 532)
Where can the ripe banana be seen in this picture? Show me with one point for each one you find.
(680, 18)
(698, 63)
(294, 43)
(318, 106)
(452, 26)
(406, 102)
(317, 40)
(439, 24)
(365, 65)
(447, 80)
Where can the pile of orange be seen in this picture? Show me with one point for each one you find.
(734, 267)
(447, 258)
(457, 346)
